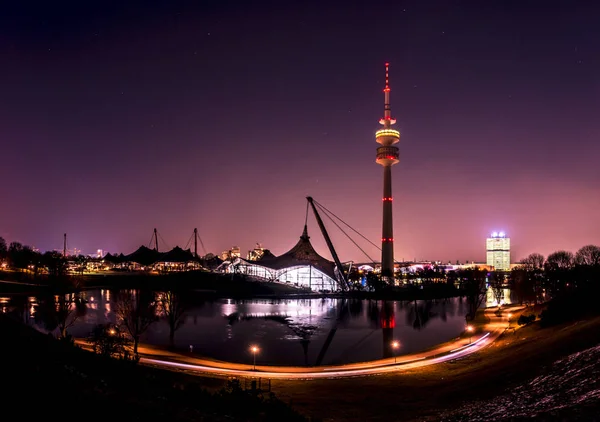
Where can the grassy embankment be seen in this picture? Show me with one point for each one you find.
(421, 394)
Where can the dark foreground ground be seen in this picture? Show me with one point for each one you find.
(43, 379)
(42, 376)
(444, 391)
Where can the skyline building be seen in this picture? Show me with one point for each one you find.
(498, 251)
(387, 156)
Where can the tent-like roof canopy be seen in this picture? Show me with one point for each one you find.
(113, 259)
(301, 254)
(267, 254)
(211, 263)
(177, 255)
(143, 256)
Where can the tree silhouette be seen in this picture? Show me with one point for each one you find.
(55, 263)
(3, 248)
(522, 282)
(21, 256)
(137, 310)
(588, 255)
(563, 260)
(375, 282)
(497, 281)
(473, 284)
(172, 309)
(558, 272)
(534, 261)
(108, 340)
(60, 312)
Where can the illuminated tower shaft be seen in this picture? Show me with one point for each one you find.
(387, 156)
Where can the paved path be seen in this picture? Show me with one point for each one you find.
(486, 334)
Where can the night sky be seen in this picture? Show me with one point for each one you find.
(223, 115)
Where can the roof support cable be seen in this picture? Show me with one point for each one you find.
(151, 240)
(202, 244)
(164, 243)
(347, 225)
(189, 242)
(306, 215)
(326, 211)
(342, 230)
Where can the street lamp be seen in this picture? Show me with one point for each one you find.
(254, 351)
(395, 346)
(470, 330)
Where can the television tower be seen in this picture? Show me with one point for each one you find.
(387, 156)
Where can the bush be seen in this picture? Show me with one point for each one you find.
(108, 340)
(526, 319)
(570, 307)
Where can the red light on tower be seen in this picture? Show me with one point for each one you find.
(387, 78)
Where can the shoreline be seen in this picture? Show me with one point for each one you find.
(488, 327)
(416, 394)
(224, 287)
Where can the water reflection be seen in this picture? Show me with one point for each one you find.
(288, 332)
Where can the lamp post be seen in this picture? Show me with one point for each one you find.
(470, 330)
(254, 350)
(395, 346)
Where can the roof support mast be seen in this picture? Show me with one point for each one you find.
(345, 284)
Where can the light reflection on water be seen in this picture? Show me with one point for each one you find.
(294, 331)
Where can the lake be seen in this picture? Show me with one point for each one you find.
(304, 332)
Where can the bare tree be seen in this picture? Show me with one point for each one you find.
(534, 261)
(473, 286)
(560, 260)
(3, 248)
(60, 312)
(497, 284)
(69, 308)
(588, 255)
(558, 271)
(172, 309)
(137, 310)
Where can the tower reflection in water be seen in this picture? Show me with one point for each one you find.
(388, 322)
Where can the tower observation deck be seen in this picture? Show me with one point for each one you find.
(387, 156)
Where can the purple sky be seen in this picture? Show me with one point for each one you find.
(115, 120)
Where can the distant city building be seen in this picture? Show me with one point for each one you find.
(99, 253)
(498, 251)
(234, 252)
(258, 253)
